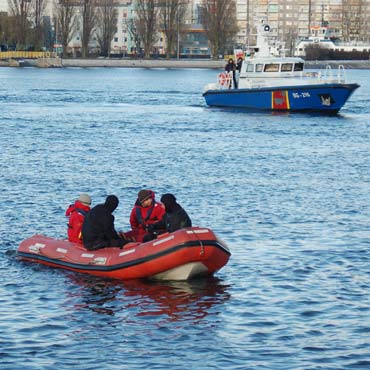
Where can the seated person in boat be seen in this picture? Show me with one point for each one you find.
(231, 67)
(98, 228)
(174, 219)
(145, 212)
(76, 214)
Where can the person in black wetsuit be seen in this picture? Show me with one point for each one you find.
(174, 219)
(98, 228)
(239, 64)
(231, 67)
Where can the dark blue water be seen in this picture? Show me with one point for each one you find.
(289, 193)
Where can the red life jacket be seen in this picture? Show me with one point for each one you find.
(76, 213)
(143, 216)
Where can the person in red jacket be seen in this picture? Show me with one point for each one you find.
(76, 214)
(145, 212)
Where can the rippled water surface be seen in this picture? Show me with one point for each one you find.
(289, 193)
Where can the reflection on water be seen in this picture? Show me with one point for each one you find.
(289, 193)
(172, 300)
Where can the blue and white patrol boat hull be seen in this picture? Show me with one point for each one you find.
(264, 81)
(327, 98)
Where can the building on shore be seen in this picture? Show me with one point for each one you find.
(290, 21)
(191, 40)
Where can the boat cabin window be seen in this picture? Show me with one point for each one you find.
(250, 67)
(272, 67)
(286, 67)
(298, 67)
(259, 67)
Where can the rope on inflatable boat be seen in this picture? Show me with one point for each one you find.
(200, 243)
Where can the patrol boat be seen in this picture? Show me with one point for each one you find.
(276, 83)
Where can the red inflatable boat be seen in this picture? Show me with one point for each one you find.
(181, 255)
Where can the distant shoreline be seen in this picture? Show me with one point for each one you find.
(192, 63)
(169, 64)
(143, 63)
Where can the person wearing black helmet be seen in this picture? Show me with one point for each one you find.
(98, 228)
(174, 219)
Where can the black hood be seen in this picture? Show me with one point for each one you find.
(111, 202)
(169, 202)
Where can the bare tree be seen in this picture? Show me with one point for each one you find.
(107, 25)
(219, 22)
(290, 39)
(65, 22)
(133, 32)
(7, 34)
(38, 11)
(172, 13)
(21, 11)
(48, 34)
(146, 23)
(88, 9)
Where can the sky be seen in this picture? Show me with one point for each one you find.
(3, 5)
